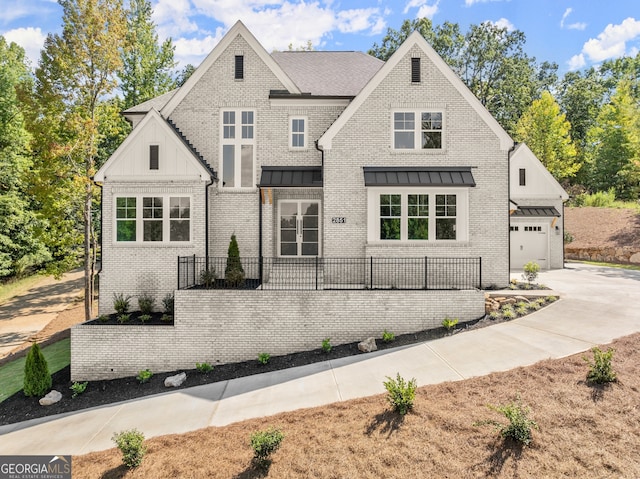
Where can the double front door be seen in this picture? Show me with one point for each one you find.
(299, 228)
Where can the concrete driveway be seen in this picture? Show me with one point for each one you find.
(598, 305)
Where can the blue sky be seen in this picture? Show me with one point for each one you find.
(574, 33)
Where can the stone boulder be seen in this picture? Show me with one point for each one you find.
(51, 398)
(368, 345)
(175, 381)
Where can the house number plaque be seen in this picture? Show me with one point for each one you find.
(338, 219)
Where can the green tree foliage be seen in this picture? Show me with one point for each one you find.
(546, 131)
(21, 246)
(78, 69)
(184, 74)
(234, 272)
(613, 144)
(489, 59)
(146, 66)
(37, 380)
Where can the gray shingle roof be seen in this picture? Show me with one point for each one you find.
(536, 211)
(298, 176)
(328, 73)
(157, 103)
(417, 176)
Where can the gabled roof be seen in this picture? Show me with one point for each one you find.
(417, 176)
(329, 73)
(237, 29)
(204, 170)
(158, 103)
(416, 39)
(522, 150)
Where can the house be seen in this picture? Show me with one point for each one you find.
(384, 184)
(537, 212)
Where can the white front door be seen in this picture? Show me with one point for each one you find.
(299, 228)
(529, 242)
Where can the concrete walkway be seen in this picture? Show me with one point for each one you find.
(598, 305)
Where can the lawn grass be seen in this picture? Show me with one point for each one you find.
(58, 356)
(14, 287)
(631, 267)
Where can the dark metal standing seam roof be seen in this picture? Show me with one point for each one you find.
(535, 211)
(417, 176)
(294, 176)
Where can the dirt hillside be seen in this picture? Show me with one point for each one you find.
(603, 227)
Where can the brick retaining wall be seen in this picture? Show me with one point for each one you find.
(222, 326)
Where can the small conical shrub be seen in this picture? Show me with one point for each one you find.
(234, 273)
(37, 380)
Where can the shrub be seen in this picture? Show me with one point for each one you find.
(208, 277)
(600, 370)
(37, 380)
(530, 271)
(131, 444)
(78, 388)
(121, 303)
(146, 303)
(326, 345)
(144, 376)
(568, 237)
(166, 318)
(264, 443)
(234, 273)
(264, 358)
(494, 315)
(103, 318)
(600, 199)
(123, 318)
(204, 368)
(168, 303)
(541, 301)
(521, 310)
(551, 299)
(533, 306)
(508, 313)
(449, 323)
(388, 337)
(144, 318)
(519, 426)
(521, 304)
(400, 393)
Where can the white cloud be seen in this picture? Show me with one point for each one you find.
(576, 62)
(468, 3)
(424, 8)
(13, 10)
(31, 39)
(195, 49)
(172, 18)
(503, 23)
(571, 26)
(612, 42)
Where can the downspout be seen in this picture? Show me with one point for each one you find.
(260, 260)
(321, 160)
(515, 143)
(206, 220)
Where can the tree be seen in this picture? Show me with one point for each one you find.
(613, 144)
(146, 66)
(78, 68)
(546, 131)
(184, 75)
(20, 245)
(234, 272)
(489, 59)
(37, 380)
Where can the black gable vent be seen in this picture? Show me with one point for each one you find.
(415, 70)
(239, 67)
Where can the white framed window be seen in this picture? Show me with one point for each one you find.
(414, 215)
(238, 148)
(298, 132)
(153, 219)
(417, 130)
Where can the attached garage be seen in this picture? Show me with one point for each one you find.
(531, 228)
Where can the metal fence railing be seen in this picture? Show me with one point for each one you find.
(329, 273)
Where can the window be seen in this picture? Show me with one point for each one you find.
(153, 219)
(126, 219)
(418, 214)
(417, 130)
(154, 157)
(513, 228)
(298, 129)
(415, 70)
(523, 178)
(533, 228)
(238, 142)
(239, 67)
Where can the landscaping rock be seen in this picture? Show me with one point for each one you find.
(51, 398)
(368, 345)
(175, 381)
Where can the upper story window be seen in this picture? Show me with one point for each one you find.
(239, 67)
(154, 157)
(298, 131)
(238, 149)
(416, 130)
(153, 219)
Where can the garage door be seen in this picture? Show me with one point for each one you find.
(529, 242)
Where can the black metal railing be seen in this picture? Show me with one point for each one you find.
(330, 273)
